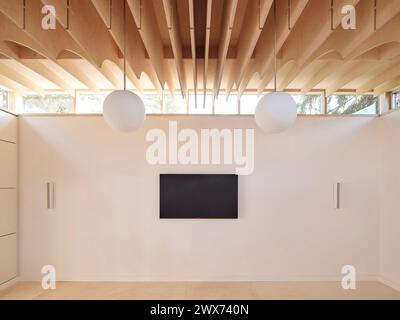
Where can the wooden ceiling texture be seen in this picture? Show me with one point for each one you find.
(223, 46)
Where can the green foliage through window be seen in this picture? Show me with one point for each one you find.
(353, 104)
(50, 103)
(152, 102)
(308, 103)
(174, 103)
(90, 102)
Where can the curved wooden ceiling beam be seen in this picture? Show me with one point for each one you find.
(391, 72)
(171, 14)
(71, 67)
(193, 47)
(12, 85)
(207, 48)
(53, 41)
(346, 41)
(143, 15)
(264, 54)
(15, 76)
(48, 47)
(348, 72)
(37, 66)
(9, 49)
(226, 32)
(248, 75)
(13, 51)
(255, 18)
(112, 14)
(84, 26)
(324, 72)
(388, 86)
(269, 74)
(9, 30)
(350, 43)
(386, 34)
(310, 33)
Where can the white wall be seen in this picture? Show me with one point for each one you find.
(106, 226)
(8, 197)
(390, 199)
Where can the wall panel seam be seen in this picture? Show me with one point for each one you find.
(8, 234)
(7, 141)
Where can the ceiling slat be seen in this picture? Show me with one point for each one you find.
(70, 66)
(12, 85)
(388, 33)
(346, 74)
(112, 14)
(264, 53)
(327, 69)
(171, 13)
(388, 86)
(255, 18)
(226, 32)
(346, 41)
(38, 67)
(207, 48)
(166, 40)
(193, 47)
(391, 72)
(14, 10)
(310, 33)
(13, 75)
(9, 30)
(144, 18)
(84, 26)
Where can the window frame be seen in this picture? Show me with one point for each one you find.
(393, 96)
(234, 92)
(8, 107)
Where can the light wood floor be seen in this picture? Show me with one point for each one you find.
(198, 290)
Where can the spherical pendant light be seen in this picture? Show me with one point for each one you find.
(124, 111)
(276, 112)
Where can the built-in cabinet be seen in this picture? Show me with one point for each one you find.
(8, 197)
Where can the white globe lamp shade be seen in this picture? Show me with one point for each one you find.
(124, 111)
(276, 112)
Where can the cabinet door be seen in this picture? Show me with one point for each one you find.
(8, 165)
(8, 211)
(8, 258)
(8, 127)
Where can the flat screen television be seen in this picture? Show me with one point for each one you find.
(198, 196)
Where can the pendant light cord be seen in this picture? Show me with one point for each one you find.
(124, 45)
(275, 53)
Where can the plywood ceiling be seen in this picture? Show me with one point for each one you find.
(197, 45)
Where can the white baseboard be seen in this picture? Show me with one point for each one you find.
(390, 283)
(196, 278)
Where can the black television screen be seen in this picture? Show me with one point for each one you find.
(198, 196)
